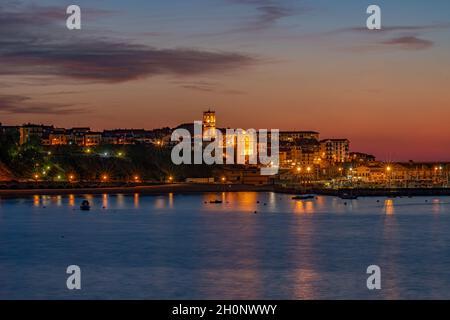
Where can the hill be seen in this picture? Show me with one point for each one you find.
(5, 174)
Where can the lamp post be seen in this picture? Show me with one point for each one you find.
(388, 170)
(299, 177)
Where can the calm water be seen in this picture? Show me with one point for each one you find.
(178, 247)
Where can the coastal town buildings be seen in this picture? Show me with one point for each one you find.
(304, 157)
(335, 150)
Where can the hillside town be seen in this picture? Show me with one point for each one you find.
(305, 158)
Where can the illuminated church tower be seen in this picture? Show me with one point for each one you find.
(209, 123)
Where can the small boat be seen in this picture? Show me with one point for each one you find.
(303, 197)
(85, 206)
(347, 196)
(215, 201)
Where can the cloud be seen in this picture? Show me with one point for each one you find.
(205, 86)
(17, 104)
(399, 28)
(39, 45)
(269, 12)
(401, 37)
(409, 43)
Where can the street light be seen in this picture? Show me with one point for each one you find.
(389, 169)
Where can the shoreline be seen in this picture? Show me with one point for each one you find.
(180, 188)
(149, 189)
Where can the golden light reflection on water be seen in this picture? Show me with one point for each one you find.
(304, 206)
(252, 202)
(164, 202)
(171, 200)
(436, 206)
(71, 200)
(389, 207)
(36, 201)
(305, 274)
(272, 199)
(136, 200)
(45, 200)
(304, 283)
(232, 201)
(320, 202)
(120, 200)
(59, 201)
(105, 200)
(390, 231)
(159, 203)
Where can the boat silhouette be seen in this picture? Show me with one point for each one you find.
(348, 196)
(85, 206)
(303, 197)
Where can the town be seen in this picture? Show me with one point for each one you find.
(305, 159)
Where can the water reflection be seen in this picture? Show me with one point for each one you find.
(436, 206)
(305, 287)
(232, 202)
(164, 202)
(36, 201)
(389, 207)
(289, 250)
(387, 259)
(59, 201)
(120, 200)
(105, 201)
(136, 200)
(72, 200)
(171, 200)
(304, 206)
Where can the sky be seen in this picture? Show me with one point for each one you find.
(281, 64)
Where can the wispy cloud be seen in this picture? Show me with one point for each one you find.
(409, 42)
(206, 86)
(268, 13)
(400, 37)
(398, 28)
(38, 44)
(18, 104)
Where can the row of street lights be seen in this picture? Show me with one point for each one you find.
(72, 177)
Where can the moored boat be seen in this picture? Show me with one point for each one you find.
(348, 196)
(303, 197)
(85, 206)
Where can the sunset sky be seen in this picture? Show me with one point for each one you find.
(289, 65)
